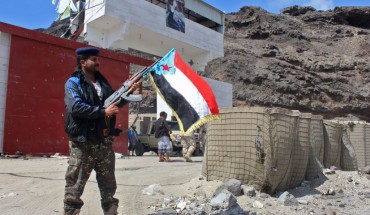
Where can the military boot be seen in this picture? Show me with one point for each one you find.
(187, 159)
(72, 212)
(112, 210)
(188, 154)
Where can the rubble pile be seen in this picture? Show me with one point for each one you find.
(334, 192)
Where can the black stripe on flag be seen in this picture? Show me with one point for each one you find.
(176, 101)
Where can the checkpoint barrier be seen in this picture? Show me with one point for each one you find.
(275, 149)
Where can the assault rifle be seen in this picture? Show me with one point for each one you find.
(125, 91)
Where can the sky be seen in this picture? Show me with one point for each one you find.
(33, 14)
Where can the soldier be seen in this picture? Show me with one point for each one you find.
(188, 146)
(89, 133)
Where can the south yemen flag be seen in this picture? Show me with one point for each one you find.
(185, 92)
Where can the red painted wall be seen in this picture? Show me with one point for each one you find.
(39, 65)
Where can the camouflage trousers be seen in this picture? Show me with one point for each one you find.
(85, 157)
(188, 146)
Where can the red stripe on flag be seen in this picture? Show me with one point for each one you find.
(202, 86)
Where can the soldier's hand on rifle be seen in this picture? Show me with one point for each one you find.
(112, 109)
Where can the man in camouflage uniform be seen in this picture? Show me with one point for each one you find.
(188, 146)
(90, 134)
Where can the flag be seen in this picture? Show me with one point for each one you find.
(64, 8)
(66, 14)
(187, 94)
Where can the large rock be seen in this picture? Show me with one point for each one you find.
(224, 203)
(366, 170)
(287, 199)
(248, 190)
(296, 10)
(223, 200)
(232, 185)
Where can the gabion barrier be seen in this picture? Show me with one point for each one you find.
(275, 149)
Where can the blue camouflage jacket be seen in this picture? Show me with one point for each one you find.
(85, 115)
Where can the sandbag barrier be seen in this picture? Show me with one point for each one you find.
(332, 143)
(348, 156)
(237, 146)
(301, 151)
(359, 135)
(316, 151)
(274, 148)
(284, 133)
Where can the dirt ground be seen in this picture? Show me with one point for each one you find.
(36, 186)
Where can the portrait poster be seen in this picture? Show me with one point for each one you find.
(175, 17)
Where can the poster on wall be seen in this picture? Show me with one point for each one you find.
(175, 17)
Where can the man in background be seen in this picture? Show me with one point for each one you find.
(133, 139)
(162, 133)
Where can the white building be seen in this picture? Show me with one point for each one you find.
(141, 25)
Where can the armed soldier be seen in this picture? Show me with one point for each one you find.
(90, 133)
(188, 146)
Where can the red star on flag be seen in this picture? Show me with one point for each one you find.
(166, 67)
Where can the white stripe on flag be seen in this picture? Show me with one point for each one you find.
(186, 88)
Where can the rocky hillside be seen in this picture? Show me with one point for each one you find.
(313, 61)
(57, 28)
